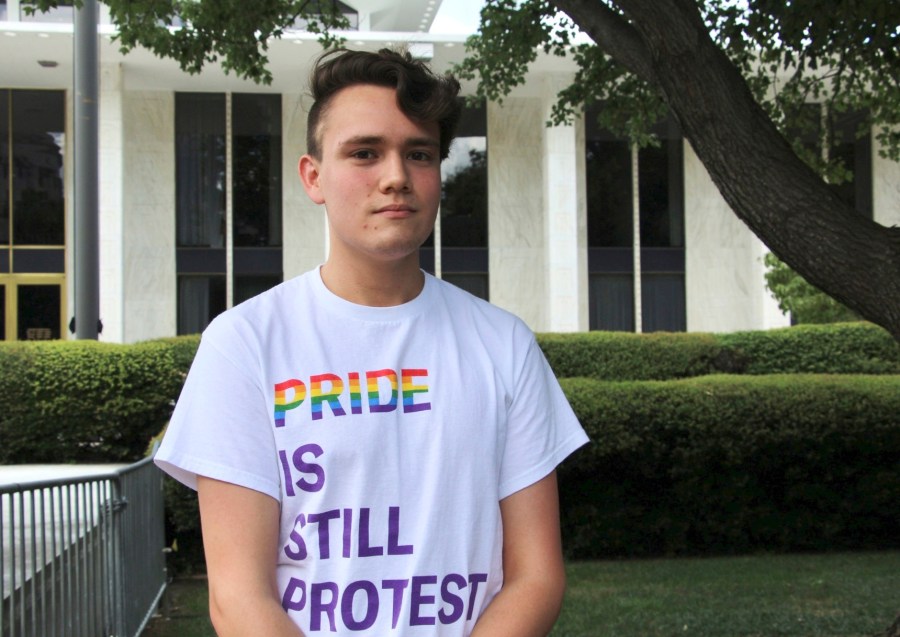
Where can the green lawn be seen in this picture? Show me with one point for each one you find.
(841, 595)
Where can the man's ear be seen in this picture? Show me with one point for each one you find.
(309, 175)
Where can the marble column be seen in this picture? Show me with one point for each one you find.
(516, 225)
(565, 214)
(111, 178)
(305, 238)
(149, 279)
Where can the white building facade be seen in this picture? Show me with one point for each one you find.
(201, 207)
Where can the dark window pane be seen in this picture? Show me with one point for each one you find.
(608, 173)
(611, 302)
(2, 312)
(200, 300)
(200, 169)
(38, 136)
(3, 17)
(256, 174)
(38, 312)
(246, 287)
(4, 166)
(663, 303)
(855, 153)
(660, 181)
(464, 198)
(476, 284)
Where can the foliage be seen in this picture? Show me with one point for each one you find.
(237, 32)
(842, 54)
(83, 401)
(726, 464)
(841, 348)
(846, 348)
(802, 300)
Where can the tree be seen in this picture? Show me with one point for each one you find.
(735, 75)
(194, 32)
(804, 302)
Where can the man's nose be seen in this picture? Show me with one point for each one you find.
(396, 173)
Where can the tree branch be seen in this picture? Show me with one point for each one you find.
(612, 33)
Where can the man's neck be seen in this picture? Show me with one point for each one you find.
(381, 284)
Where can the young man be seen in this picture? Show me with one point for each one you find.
(374, 449)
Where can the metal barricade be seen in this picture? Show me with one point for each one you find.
(82, 557)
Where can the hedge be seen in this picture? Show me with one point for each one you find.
(844, 348)
(84, 401)
(727, 464)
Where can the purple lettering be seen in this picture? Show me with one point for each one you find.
(287, 601)
(318, 607)
(398, 586)
(418, 599)
(324, 530)
(455, 601)
(308, 467)
(286, 469)
(371, 605)
(474, 579)
(300, 552)
(364, 549)
(348, 531)
(394, 547)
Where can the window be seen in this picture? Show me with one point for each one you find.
(228, 251)
(463, 232)
(32, 213)
(3, 12)
(612, 231)
(853, 151)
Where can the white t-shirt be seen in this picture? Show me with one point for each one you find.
(389, 435)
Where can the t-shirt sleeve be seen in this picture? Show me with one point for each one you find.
(542, 429)
(221, 426)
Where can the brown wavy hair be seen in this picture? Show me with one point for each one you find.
(421, 94)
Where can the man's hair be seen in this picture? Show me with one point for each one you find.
(421, 95)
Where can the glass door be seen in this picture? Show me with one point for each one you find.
(32, 308)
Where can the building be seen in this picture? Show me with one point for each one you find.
(200, 205)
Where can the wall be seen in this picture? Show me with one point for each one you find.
(149, 286)
(724, 284)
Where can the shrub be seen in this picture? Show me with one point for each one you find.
(726, 464)
(626, 356)
(844, 348)
(83, 401)
(841, 348)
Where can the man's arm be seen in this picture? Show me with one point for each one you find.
(240, 539)
(534, 578)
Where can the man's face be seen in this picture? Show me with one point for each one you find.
(378, 175)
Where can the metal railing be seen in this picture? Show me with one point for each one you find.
(82, 557)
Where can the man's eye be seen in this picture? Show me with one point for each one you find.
(362, 154)
(420, 155)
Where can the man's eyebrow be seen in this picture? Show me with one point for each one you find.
(363, 140)
(375, 140)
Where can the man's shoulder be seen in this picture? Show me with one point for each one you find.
(256, 314)
(465, 306)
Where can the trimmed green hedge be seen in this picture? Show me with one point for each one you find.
(839, 348)
(726, 464)
(83, 401)
(843, 348)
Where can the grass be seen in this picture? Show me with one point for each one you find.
(834, 595)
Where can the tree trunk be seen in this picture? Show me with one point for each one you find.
(784, 202)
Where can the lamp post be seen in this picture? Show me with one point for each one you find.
(87, 261)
